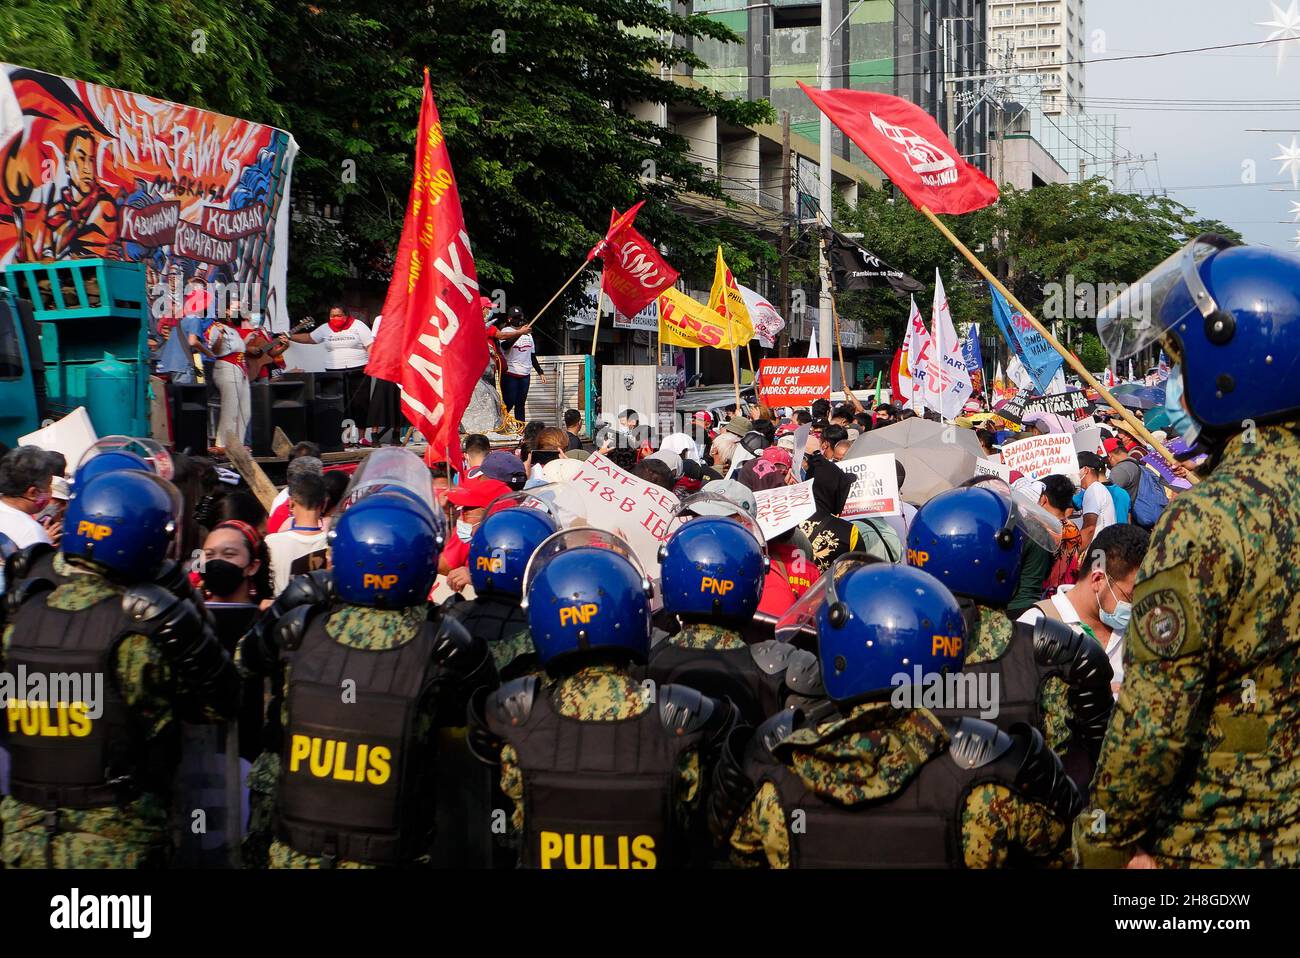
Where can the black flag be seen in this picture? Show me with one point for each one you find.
(854, 268)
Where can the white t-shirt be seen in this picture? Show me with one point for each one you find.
(293, 553)
(519, 359)
(347, 349)
(20, 527)
(1096, 499)
(1114, 648)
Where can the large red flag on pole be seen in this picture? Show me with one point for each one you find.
(432, 341)
(908, 145)
(634, 272)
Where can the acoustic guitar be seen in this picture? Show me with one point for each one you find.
(257, 363)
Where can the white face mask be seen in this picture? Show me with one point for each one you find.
(464, 531)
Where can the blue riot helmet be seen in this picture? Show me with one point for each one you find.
(585, 591)
(513, 527)
(1230, 315)
(122, 523)
(878, 623)
(398, 470)
(384, 552)
(113, 453)
(971, 539)
(714, 560)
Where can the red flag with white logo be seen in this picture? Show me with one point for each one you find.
(635, 274)
(432, 341)
(906, 142)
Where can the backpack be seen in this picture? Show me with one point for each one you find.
(1152, 497)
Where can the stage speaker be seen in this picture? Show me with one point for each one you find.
(328, 405)
(190, 419)
(289, 405)
(263, 427)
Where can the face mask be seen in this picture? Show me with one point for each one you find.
(1180, 420)
(1116, 621)
(464, 531)
(221, 577)
(41, 501)
(340, 323)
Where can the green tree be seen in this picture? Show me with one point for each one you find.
(1093, 354)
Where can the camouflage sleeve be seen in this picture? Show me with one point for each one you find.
(760, 837)
(262, 777)
(688, 787)
(1000, 828)
(1054, 702)
(512, 786)
(145, 682)
(1179, 605)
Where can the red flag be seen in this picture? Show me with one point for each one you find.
(634, 272)
(906, 142)
(432, 341)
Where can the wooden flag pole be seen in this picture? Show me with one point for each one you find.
(1132, 422)
(600, 308)
(567, 282)
(735, 378)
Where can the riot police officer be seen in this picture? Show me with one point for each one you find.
(92, 767)
(1049, 675)
(1198, 764)
(608, 769)
(882, 782)
(498, 554)
(713, 569)
(370, 676)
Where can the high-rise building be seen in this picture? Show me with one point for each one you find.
(1045, 38)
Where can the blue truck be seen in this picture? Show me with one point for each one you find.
(74, 333)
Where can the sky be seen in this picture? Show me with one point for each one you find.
(1203, 145)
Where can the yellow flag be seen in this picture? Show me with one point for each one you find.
(684, 322)
(726, 301)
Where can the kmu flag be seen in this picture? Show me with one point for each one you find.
(634, 272)
(432, 342)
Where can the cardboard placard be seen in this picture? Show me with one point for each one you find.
(619, 502)
(875, 487)
(72, 435)
(1088, 440)
(991, 467)
(780, 510)
(1039, 456)
(794, 382)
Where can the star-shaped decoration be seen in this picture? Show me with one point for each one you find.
(1290, 160)
(1287, 30)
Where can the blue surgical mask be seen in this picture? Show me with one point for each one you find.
(1180, 420)
(1116, 621)
(464, 531)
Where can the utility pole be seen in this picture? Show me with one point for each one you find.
(825, 330)
(784, 336)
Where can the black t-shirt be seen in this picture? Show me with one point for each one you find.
(575, 441)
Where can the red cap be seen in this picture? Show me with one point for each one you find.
(1016, 476)
(778, 455)
(1111, 445)
(477, 492)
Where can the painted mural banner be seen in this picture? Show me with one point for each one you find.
(89, 171)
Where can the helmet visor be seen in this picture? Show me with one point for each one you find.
(707, 504)
(801, 618)
(561, 501)
(1136, 319)
(152, 452)
(1040, 526)
(388, 468)
(585, 538)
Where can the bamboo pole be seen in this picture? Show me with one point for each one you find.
(567, 282)
(1133, 423)
(735, 378)
(600, 308)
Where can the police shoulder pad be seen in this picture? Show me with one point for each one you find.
(803, 675)
(292, 626)
(24, 591)
(147, 602)
(775, 730)
(975, 743)
(1037, 773)
(772, 656)
(684, 710)
(20, 564)
(513, 702)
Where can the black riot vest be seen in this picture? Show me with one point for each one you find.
(62, 756)
(494, 620)
(355, 780)
(1020, 680)
(919, 827)
(596, 794)
(752, 677)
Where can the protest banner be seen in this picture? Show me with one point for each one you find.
(90, 171)
(794, 382)
(991, 467)
(619, 502)
(780, 510)
(1039, 456)
(1088, 440)
(875, 486)
(1071, 405)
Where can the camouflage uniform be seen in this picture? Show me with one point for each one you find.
(872, 753)
(130, 836)
(991, 640)
(356, 627)
(1201, 762)
(702, 635)
(599, 693)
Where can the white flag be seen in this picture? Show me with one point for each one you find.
(812, 343)
(947, 384)
(916, 352)
(1018, 374)
(1057, 385)
(767, 321)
